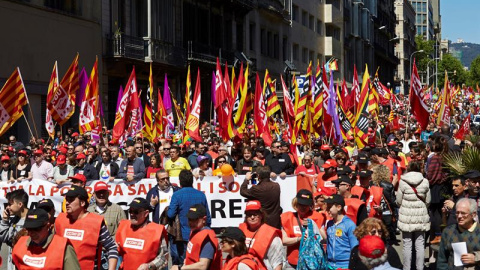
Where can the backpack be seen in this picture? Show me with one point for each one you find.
(311, 255)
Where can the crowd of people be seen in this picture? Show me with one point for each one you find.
(362, 202)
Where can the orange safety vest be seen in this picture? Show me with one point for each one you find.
(83, 234)
(194, 247)
(358, 191)
(138, 246)
(35, 257)
(293, 229)
(248, 259)
(327, 182)
(351, 208)
(258, 242)
(376, 194)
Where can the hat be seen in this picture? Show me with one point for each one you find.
(75, 134)
(363, 159)
(371, 246)
(196, 211)
(375, 151)
(253, 206)
(325, 147)
(350, 137)
(63, 150)
(201, 158)
(324, 191)
(45, 203)
(140, 202)
(22, 152)
(78, 177)
(343, 179)
(99, 186)
(336, 199)
(472, 174)
(5, 158)
(395, 149)
(344, 170)
(233, 233)
(304, 197)
(10, 148)
(365, 173)
(284, 143)
(80, 156)
(392, 143)
(37, 152)
(61, 159)
(330, 163)
(36, 218)
(76, 191)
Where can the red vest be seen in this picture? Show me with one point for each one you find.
(138, 246)
(259, 242)
(321, 182)
(376, 194)
(352, 206)
(83, 234)
(247, 259)
(35, 257)
(293, 229)
(357, 191)
(194, 248)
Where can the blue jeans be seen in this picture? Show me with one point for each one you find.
(177, 251)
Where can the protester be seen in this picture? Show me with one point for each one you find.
(459, 189)
(141, 243)
(176, 163)
(84, 168)
(41, 169)
(265, 191)
(15, 144)
(247, 164)
(388, 206)
(154, 167)
(115, 153)
(308, 168)
(262, 240)
(62, 171)
(132, 168)
(49, 207)
(233, 243)
(22, 170)
(373, 254)
(107, 169)
(200, 150)
(203, 168)
(279, 162)
(6, 169)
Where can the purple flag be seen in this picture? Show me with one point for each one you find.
(82, 81)
(167, 103)
(332, 110)
(119, 98)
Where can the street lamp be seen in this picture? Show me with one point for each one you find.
(419, 51)
(428, 70)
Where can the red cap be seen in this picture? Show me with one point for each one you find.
(10, 148)
(324, 191)
(38, 152)
(80, 156)
(100, 186)
(253, 206)
(349, 137)
(392, 143)
(371, 246)
(61, 159)
(330, 163)
(75, 134)
(22, 152)
(325, 147)
(79, 177)
(62, 150)
(5, 158)
(53, 153)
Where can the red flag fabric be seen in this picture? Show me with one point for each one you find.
(89, 108)
(260, 115)
(193, 120)
(417, 104)
(222, 106)
(464, 128)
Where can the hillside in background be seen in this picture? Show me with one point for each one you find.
(465, 51)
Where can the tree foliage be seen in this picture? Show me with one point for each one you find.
(475, 72)
(422, 58)
(456, 72)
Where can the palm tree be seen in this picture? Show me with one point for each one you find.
(459, 163)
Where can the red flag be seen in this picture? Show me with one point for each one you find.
(417, 104)
(260, 115)
(464, 128)
(160, 117)
(89, 108)
(222, 106)
(193, 120)
(327, 119)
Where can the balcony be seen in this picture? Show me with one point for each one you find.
(241, 7)
(274, 6)
(333, 47)
(332, 14)
(208, 54)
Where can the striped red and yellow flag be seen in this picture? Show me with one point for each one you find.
(160, 117)
(188, 95)
(391, 116)
(270, 95)
(317, 97)
(70, 82)
(241, 114)
(148, 113)
(296, 124)
(89, 107)
(13, 97)
(361, 118)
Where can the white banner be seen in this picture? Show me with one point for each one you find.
(223, 194)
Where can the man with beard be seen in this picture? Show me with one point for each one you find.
(279, 162)
(200, 149)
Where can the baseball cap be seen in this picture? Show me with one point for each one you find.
(253, 206)
(375, 151)
(336, 199)
(196, 211)
(22, 152)
(472, 174)
(350, 137)
(78, 177)
(365, 173)
(76, 191)
(80, 156)
(100, 186)
(330, 163)
(37, 152)
(371, 246)
(363, 159)
(392, 143)
(63, 150)
(139, 202)
(324, 191)
(5, 158)
(233, 233)
(201, 158)
(75, 134)
(36, 218)
(61, 159)
(343, 179)
(45, 204)
(304, 197)
(325, 147)
(344, 170)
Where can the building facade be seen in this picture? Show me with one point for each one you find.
(424, 18)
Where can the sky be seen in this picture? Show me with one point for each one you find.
(461, 19)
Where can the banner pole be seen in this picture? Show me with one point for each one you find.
(33, 120)
(28, 125)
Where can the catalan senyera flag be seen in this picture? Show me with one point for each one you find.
(188, 95)
(148, 113)
(59, 103)
(240, 110)
(193, 121)
(49, 125)
(445, 111)
(270, 95)
(361, 117)
(373, 107)
(13, 97)
(89, 107)
(70, 81)
(160, 117)
(295, 123)
(317, 98)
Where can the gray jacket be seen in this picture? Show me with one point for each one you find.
(138, 169)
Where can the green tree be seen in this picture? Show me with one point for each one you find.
(475, 72)
(456, 72)
(422, 58)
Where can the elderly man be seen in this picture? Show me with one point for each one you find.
(115, 153)
(41, 169)
(373, 254)
(279, 162)
(466, 230)
(84, 168)
(161, 194)
(132, 168)
(16, 144)
(139, 151)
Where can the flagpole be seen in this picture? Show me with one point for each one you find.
(29, 125)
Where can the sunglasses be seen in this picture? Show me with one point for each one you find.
(166, 149)
(134, 211)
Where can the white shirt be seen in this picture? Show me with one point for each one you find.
(42, 171)
(164, 199)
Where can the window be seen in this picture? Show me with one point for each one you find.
(318, 29)
(285, 48)
(310, 58)
(311, 22)
(305, 55)
(252, 37)
(263, 41)
(295, 51)
(295, 13)
(269, 44)
(275, 46)
(304, 18)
